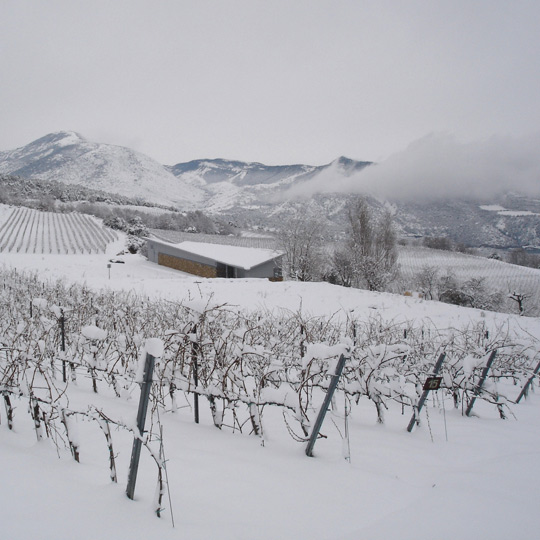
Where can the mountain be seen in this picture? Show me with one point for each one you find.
(234, 187)
(211, 171)
(69, 158)
(254, 195)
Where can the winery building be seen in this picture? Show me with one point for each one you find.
(216, 260)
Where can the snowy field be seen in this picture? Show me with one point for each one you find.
(25, 230)
(452, 477)
(28, 231)
(499, 275)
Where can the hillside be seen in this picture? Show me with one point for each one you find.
(28, 231)
(69, 158)
(258, 196)
(23, 230)
(456, 475)
(499, 276)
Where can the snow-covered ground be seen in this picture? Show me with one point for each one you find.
(480, 483)
(312, 298)
(453, 477)
(498, 276)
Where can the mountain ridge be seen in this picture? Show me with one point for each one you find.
(70, 158)
(254, 195)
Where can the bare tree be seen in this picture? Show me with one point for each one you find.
(301, 238)
(372, 246)
(342, 267)
(523, 258)
(427, 280)
(520, 297)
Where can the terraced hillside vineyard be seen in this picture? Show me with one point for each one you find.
(24, 230)
(498, 275)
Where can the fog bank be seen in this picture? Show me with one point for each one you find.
(439, 166)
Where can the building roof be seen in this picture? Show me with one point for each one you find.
(241, 257)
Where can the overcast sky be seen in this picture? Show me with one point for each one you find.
(278, 82)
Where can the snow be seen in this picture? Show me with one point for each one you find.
(516, 213)
(93, 333)
(492, 207)
(322, 351)
(144, 277)
(40, 303)
(479, 484)
(154, 347)
(241, 257)
(453, 477)
(504, 212)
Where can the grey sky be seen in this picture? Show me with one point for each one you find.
(271, 81)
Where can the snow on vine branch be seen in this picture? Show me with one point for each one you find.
(240, 362)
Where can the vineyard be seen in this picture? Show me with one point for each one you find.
(70, 369)
(241, 363)
(24, 230)
(500, 276)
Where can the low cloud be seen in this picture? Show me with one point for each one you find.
(440, 166)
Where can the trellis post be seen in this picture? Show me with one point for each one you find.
(326, 404)
(483, 378)
(195, 368)
(416, 413)
(525, 389)
(141, 417)
(63, 343)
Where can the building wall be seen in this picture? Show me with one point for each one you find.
(265, 270)
(185, 265)
(173, 257)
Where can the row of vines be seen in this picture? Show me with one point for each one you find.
(465, 266)
(240, 363)
(498, 275)
(26, 230)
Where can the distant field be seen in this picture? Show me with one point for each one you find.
(175, 237)
(24, 230)
(499, 275)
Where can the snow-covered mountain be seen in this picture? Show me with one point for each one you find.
(69, 158)
(235, 186)
(212, 185)
(258, 195)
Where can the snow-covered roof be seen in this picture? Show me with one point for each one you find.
(241, 257)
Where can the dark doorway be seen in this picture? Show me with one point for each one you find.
(225, 271)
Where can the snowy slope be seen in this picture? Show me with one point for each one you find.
(234, 184)
(67, 157)
(453, 477)
(498, 275)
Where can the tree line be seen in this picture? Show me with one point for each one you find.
(366, 257)
(115, 210)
